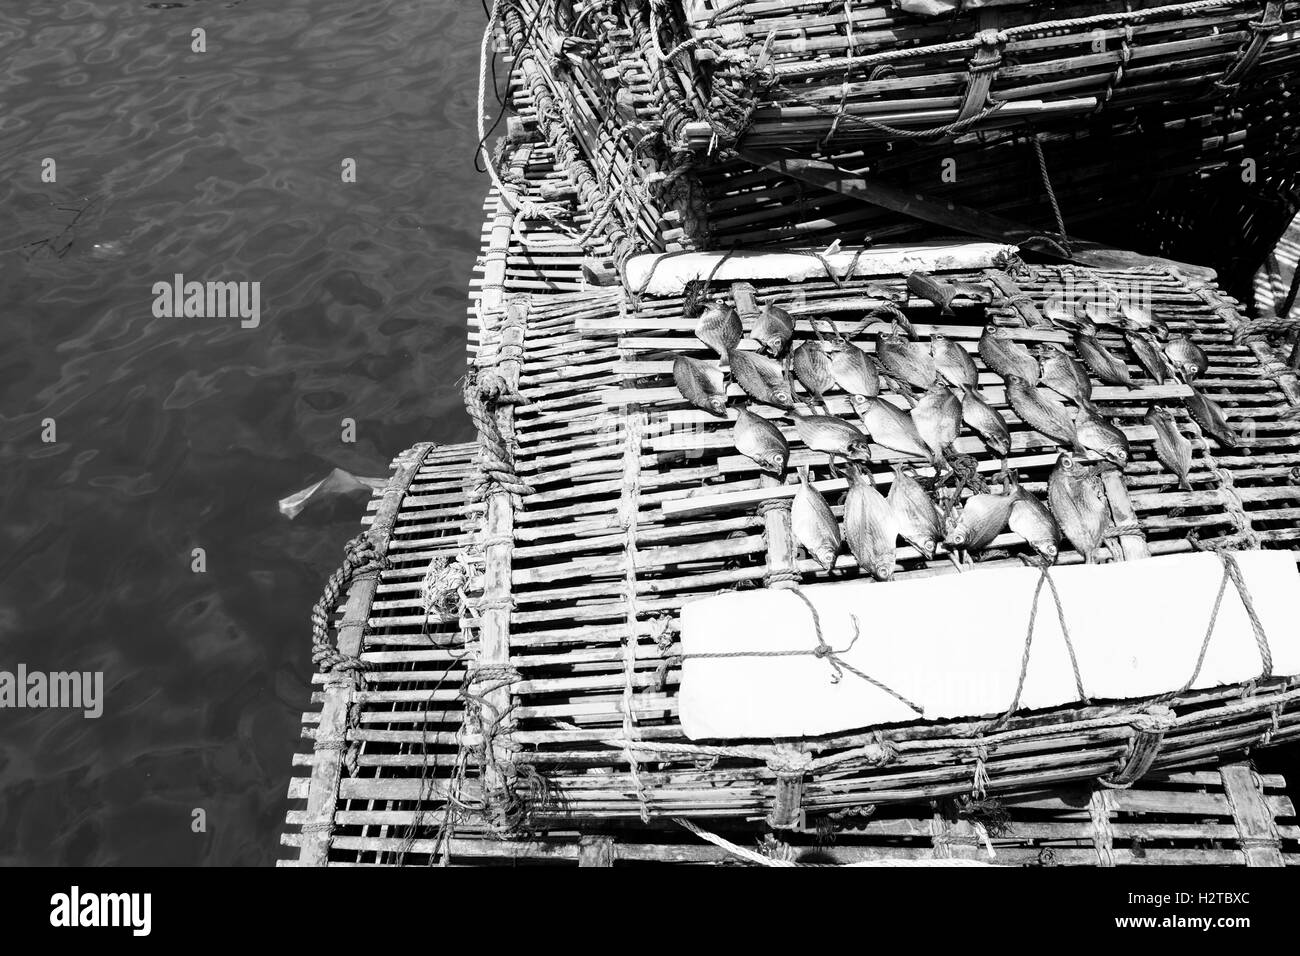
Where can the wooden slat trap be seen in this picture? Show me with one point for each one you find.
(520, 642)
(800, 76)
(608, 102)
(640, 504)
(1230, 816)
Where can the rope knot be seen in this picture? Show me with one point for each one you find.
(786, 763)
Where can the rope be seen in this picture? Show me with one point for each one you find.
(1051, 193)
(482, 394)
(1027, 29)
(525, 209)
(1125, 54)
(759, 859)
(1232, 502)
(1231, 571)
(1283, 324)
(444, 585)
(359, 557)
(1044, 578)
(935, 132)
(822, 651)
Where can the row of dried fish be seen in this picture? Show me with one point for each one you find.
(873, 523)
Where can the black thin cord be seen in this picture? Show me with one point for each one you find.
(503, 101)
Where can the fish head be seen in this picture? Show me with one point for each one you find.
(783, 395)
(927, 546)
(717, 404)
(1048, 549)
(826, 556)
(773, 462)
(955, 533)
(1068, 463)
(858, 449)
(882, 570)
(1116, 454)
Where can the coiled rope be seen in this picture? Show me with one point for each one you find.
(359, 557)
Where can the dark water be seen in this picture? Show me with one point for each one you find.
(177, 433)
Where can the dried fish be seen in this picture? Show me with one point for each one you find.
(1209, 415)
(909, 362)
(1140, 319)
(1149, 356)
(937, 417)
(919, 522)
(1063, 375)
(773, 329)
(760, 440)
(812, 367)
(1102, 362)
(1006, 356)
(813, 523)
(987, 422)
(1060, 310)
(870, 527)
(1102, 309)
(1093, 433)
(1040, 411)
(892, 427)
(1173, 448)
(1078, 502)
(700, 384)
(762, 378)
(1187, 357)
(1032, 521)
(953, 362)
(853, 371)
(937, 291)
(834, 436)
(978, 521)
(719, 328)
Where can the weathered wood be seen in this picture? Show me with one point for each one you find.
(1256, 828)
(493, 606)
(331, 736)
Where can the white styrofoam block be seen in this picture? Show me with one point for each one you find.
(953, 643)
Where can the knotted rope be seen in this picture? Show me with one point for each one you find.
(443, 590)
(523, 208)
(482, 394)
(359, 557)
(822, 651)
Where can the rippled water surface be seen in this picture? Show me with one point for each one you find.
(175, 433)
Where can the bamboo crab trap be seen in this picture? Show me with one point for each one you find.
(607, 93)
(807, 75)
(500, 655)
(520, 646)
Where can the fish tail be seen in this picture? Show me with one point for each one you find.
(1184, 483)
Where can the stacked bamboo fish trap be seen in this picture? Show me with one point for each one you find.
(802, 75)
(499, 676)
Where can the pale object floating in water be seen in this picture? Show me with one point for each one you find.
(336, 484)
